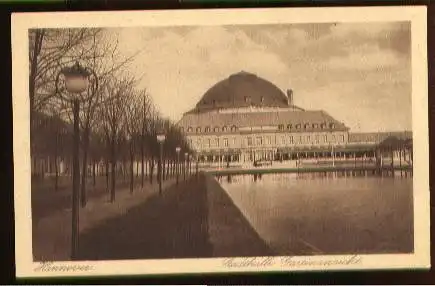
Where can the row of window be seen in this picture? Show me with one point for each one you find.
(307, 126)
(267, 140)
(292, 140)
(208, 129)
(280, 127)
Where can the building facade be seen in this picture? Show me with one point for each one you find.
(245, 118)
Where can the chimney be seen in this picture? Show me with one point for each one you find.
(290, 97)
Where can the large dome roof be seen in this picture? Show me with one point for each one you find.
(241, 90)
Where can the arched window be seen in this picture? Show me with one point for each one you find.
(224, 129)
(323, 125)
(207, 129)
(289, 126)
(198, 129)
(306, 126)
(298, 126)
(190, 129)
(262, 99)
(216, 129)
(331, 125)
(315, 125)
(233, 128)
(281, 127)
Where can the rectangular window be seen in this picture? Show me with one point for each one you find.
(325, 138)
(269, 140)
(317, 138)
(259, 141)
(342, 138)
(216, 142)
(308, 139)
(209, 143)
(283, 140)
(226, 142)
(234, 141)
(333, 138)
(291, 139)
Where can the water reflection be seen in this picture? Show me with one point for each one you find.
(303, 213)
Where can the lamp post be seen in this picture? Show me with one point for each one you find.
(178, 149)
(76, 80)
(160, 138)
(185, 165)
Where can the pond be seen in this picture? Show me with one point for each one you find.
(308, 214)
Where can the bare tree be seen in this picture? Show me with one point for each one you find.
(145, 117)
(133, 114)
(48, 48)
(100, 54)
(116, 92)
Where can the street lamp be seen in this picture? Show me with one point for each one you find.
(178, 149)
(185, 164)
(76, 80)
(160, 138)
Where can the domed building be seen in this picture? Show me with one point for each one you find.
(245, 118)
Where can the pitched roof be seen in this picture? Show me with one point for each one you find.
(251, 119)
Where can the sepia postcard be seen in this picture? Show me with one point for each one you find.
(221, 140)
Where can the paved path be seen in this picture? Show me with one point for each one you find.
(52, 233)
(46, 201)
(173, 225)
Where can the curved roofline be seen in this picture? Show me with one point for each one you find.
(243, 89)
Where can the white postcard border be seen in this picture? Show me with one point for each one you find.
(21, 22)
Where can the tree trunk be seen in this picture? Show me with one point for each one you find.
(163, 169)
(38, 41)
(56, 169)
(94, 173)
(147, 167)
(168, 167)
(107, 172)
(113, 167)
(137, 169)
(142, 158)
(83, 197)
(124, 169)
(151, 169)
(131, 168)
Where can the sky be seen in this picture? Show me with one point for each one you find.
(360, 73)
